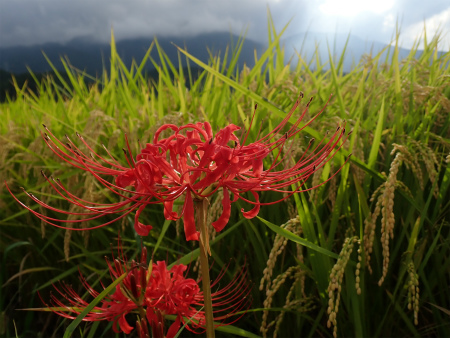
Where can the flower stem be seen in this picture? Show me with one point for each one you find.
(201, 209)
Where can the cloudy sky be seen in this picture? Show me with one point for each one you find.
(29, 22)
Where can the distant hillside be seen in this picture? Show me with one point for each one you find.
(7, 88)
(306, 44)
(92, 56)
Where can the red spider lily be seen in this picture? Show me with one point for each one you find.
(194, 163)
(152, 294)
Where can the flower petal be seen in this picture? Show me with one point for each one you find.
(174, 328)
(225, 217)
(252, 213)
(126, 179)
(141, 229)
(189, 222)
(169, 214)
(227, 134)
(257, 166)
(124, 326)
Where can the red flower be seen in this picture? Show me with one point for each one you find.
(172, 293)
(152, 295)
(194, 163)
(116, 306)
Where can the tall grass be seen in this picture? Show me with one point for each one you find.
(379, 227)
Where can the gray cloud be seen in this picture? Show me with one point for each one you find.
(28, 22)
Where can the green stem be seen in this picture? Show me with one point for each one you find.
(201, 209)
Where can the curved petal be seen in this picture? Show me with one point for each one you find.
(208, 129)
(189, 222)
(225, 217)
(147, 175)
(126, 179)
(253, 212)
(169, 214)
(173, 329)
(257, 166)
(124, 326)
(141, 229)
(151, 316)
(161, 129)
(227, 134)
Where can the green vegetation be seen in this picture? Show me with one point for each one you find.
(380, 227)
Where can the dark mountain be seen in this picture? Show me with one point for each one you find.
(92, 56)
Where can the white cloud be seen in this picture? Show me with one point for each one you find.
(349, 8)
(389, 23)
(436, 24)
